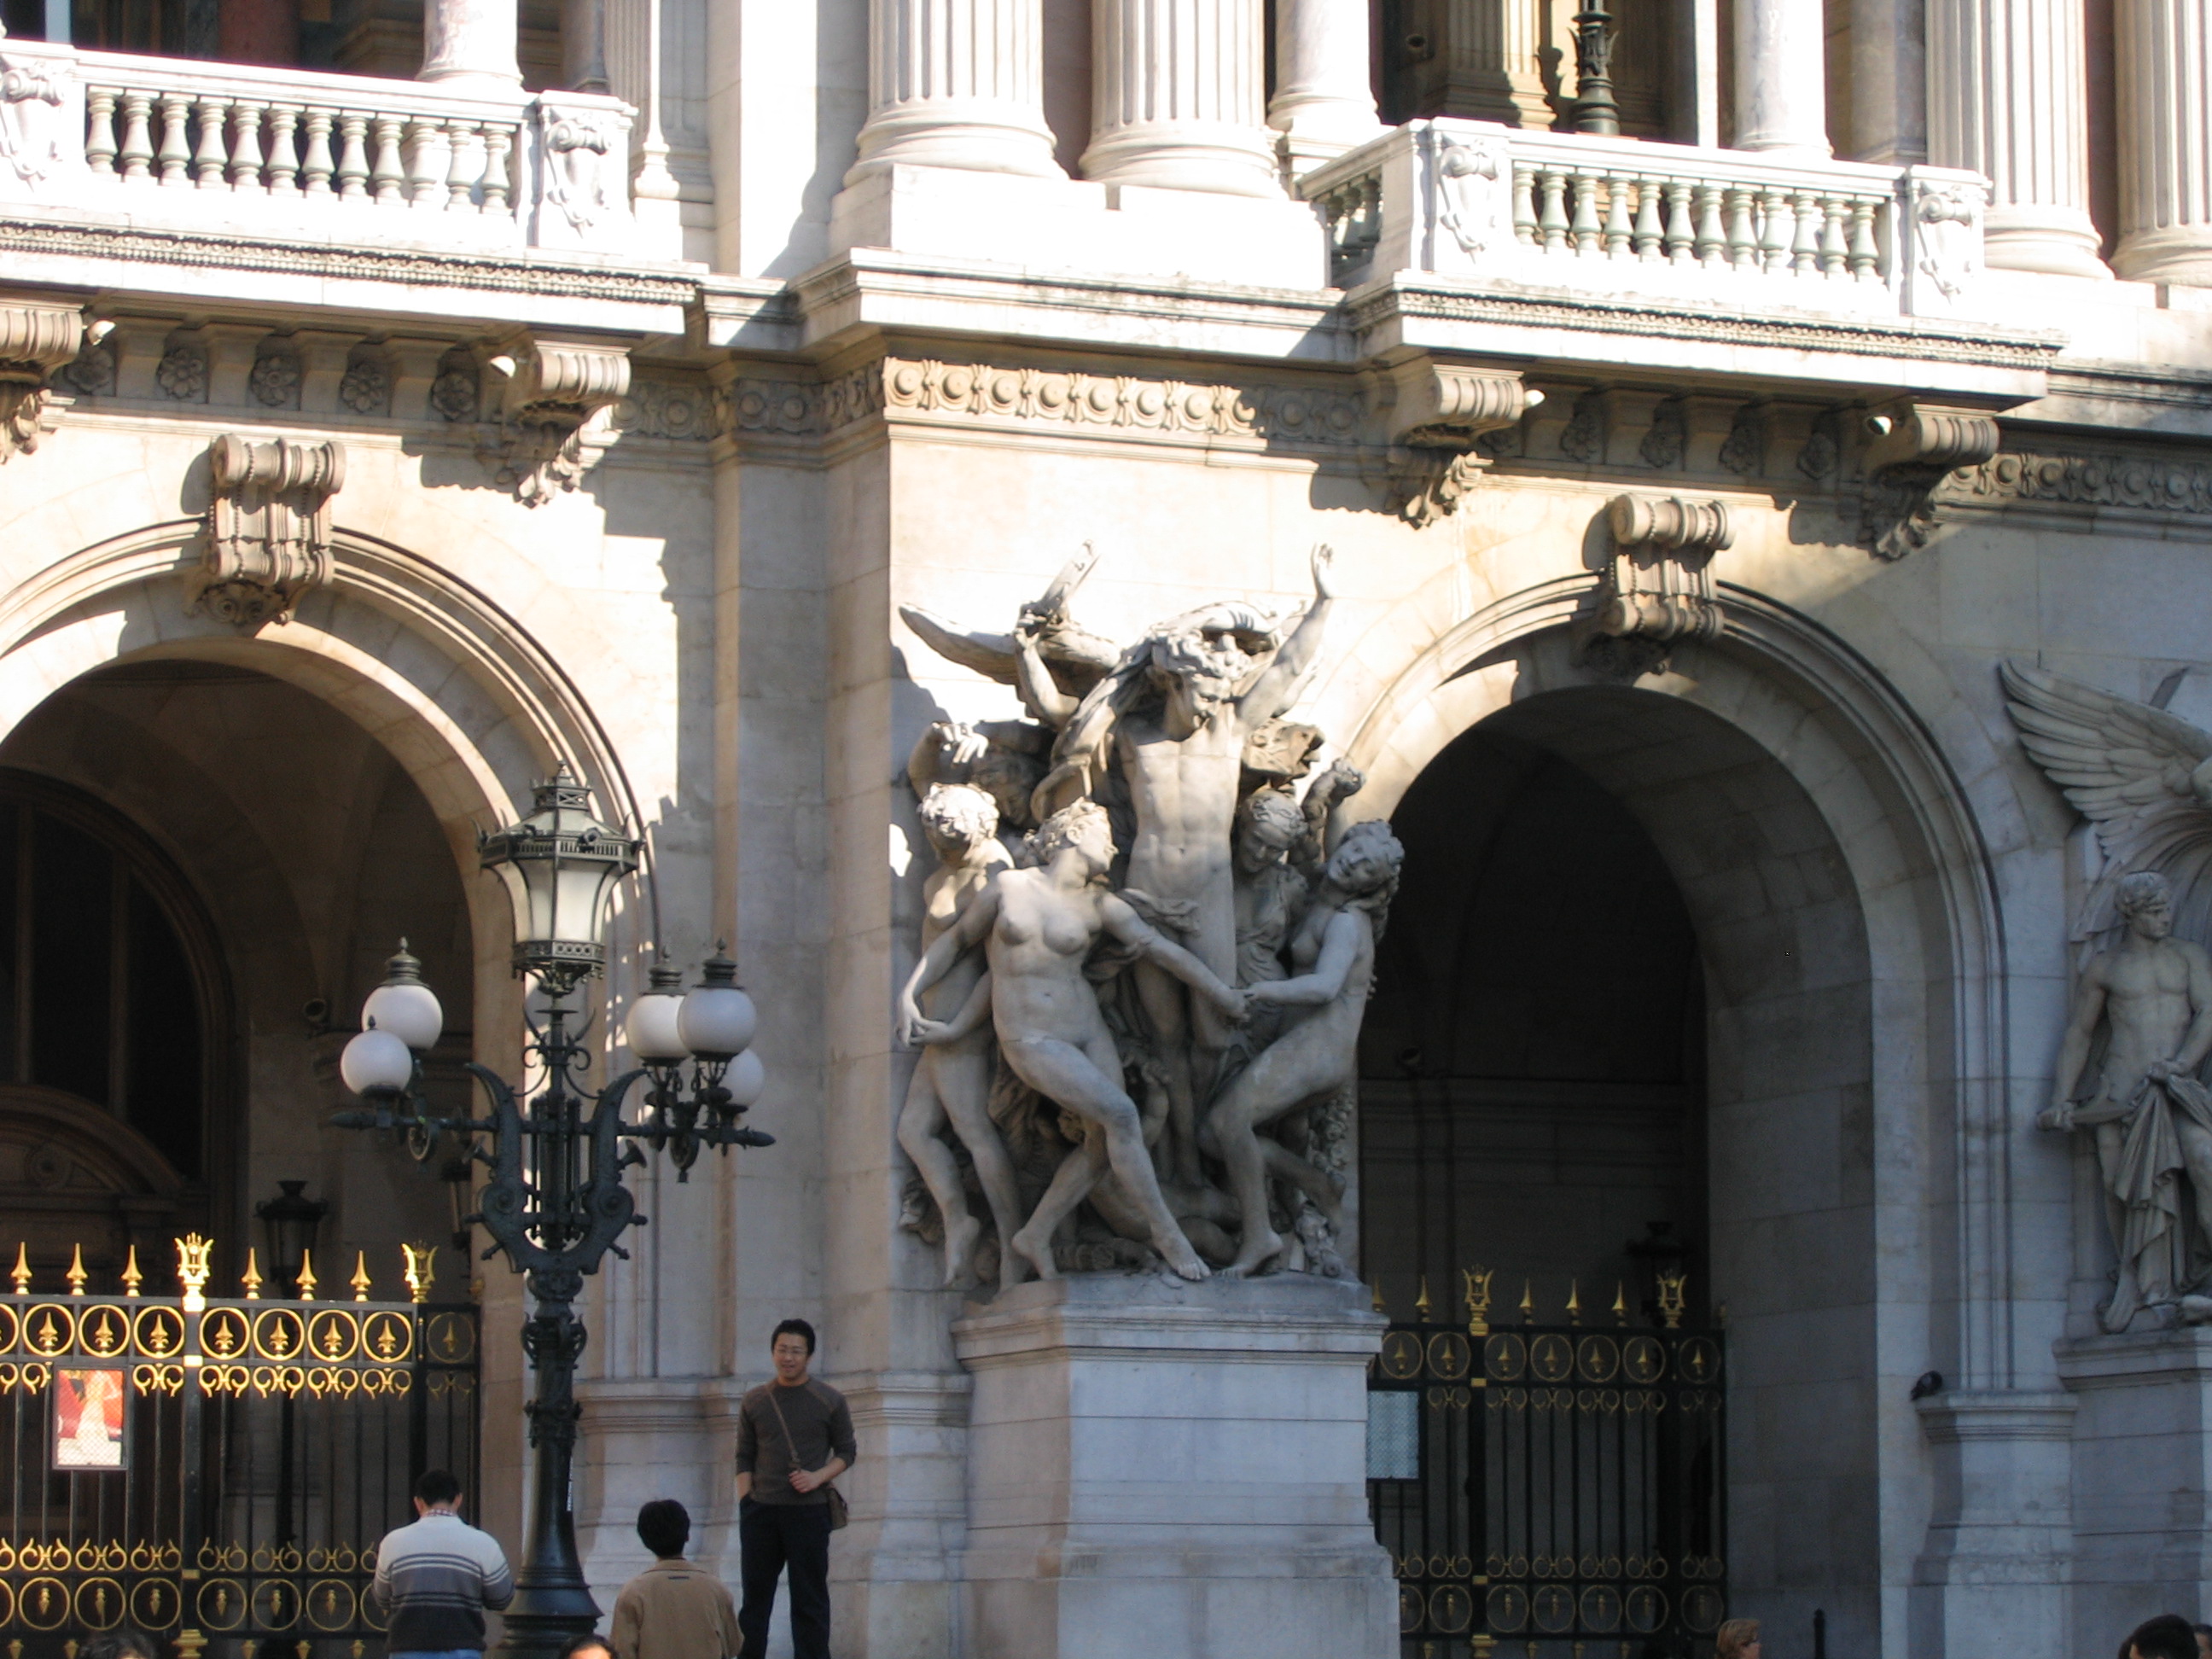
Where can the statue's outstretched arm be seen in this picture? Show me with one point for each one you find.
(1134, 931)
(1340, 950)
(1277, 684)
(974, 1012)
(2073, 1052)
(975, 923)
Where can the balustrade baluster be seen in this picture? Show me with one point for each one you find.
(246, 146)
(1586, 224)
(1525, 204)
(1866, 251)
(1679, 235)
(137, 136)
(100, 130)
(1742, 238)
(386, 175)
(176, 154)
(464, 165)
(1835, 247)
(283, 155)
(1554, 221)
(499, 145)
(1805, 246)
(1618, 229)
(210, 159)
(1778, 225)
(1712, 243)
(316, 165)
(353, 155)
(1649, 231)
(426, 163)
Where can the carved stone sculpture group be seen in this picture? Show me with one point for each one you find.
(1143, 964)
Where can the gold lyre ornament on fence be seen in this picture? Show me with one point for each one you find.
(421, 1274)
(192, 1270)
(1672, 1297)
(1478, 1299)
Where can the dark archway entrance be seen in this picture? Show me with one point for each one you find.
(1532, 1084)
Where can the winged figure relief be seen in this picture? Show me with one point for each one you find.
(1075, 658)
(2142, 776)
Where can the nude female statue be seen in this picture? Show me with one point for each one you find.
(1038, 927)
(953, 1078)
(1333, 954)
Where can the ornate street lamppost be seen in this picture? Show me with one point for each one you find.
(554, 1200)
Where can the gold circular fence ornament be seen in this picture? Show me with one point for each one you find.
(1451, 1609)
(1552, 1358)
(1506, 1608)
(1599, 1358)
(49, 1330)
(1600, 1607)
(1644, 1359)
(1703, 1609)
(103, 1332)
(330, 1604)
(333, 1334)
(279, 1334)
(1698, 1360)
(1401, 1358)
(388, 1338)
(1553, 1608)
(43, 1604)
(222, 1604)
(1413, 1607)
(275, 1604)
(11, 1329)
(1504, 1357)
(224, 1333)
(159, 1333)
(1449, 1356)
(6, 1605)
(155, 1604)
(101, 1603)
(1644, 1609)
(449, 1339)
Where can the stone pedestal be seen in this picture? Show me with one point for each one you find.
(1177, 97)
(2143, 1477)
(2164, 64)
(1166, 1471)
(956, 83)
(2008, 97)
(1781, 77)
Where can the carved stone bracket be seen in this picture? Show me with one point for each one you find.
(1658, 587)
(553, 412)
(1913, 448)
(268, 542)
(1438, 412)
(35, 340)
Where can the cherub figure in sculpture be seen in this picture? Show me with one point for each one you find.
(952, 1079)
(1038, 927)
(1333, 953)
(2151, 1117)
(1174, 715)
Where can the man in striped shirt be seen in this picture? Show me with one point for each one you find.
(435, 1577)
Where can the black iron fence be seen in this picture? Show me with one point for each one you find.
(216, 1471)
(1551, 1490)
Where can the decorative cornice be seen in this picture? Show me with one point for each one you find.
(2090, 479)
(1855, 336)
(413, 267)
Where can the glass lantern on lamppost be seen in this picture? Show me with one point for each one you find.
(553, 1199)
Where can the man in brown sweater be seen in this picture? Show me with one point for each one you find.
(794, 1437)
(672, 1610)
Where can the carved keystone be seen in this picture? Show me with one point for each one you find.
(553, 411)
(1439, 412)
(269, 527)
(1913, 448)
(35, 340)
(1658, 587)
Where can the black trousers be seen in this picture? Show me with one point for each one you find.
(770, 1538)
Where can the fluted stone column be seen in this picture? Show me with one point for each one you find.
(1780, 76)
(469, 41)
(2008, 96)
(1178, 94)
(956, 83)
(2164, 74)
(1324, 102)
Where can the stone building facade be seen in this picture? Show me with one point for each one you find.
(1698, 438)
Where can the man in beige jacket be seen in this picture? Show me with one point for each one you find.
(672, 1610)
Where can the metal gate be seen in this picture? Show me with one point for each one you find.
(218, 1471)
(1560, 1486)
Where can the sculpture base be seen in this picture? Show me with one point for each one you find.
(1159, 1470)
(2140, 1500)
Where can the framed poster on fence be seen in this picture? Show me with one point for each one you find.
(88, 1418)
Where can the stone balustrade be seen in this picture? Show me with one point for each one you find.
(1756, 229)
(176, 144)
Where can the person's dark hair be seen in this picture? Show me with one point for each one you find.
(123, 1643)
(437, 1487)
(794, 1328)
(587, 1643)
(664, 1527)
(2169, 1635)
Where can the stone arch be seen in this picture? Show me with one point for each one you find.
(1802, 745)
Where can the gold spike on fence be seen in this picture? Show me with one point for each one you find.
(132, 1279)
(360, 1280)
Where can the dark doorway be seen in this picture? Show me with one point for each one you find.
(1532, 1089)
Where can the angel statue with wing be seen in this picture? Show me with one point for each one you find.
(2141, 1021)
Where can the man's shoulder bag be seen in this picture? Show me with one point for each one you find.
(840, 1515)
